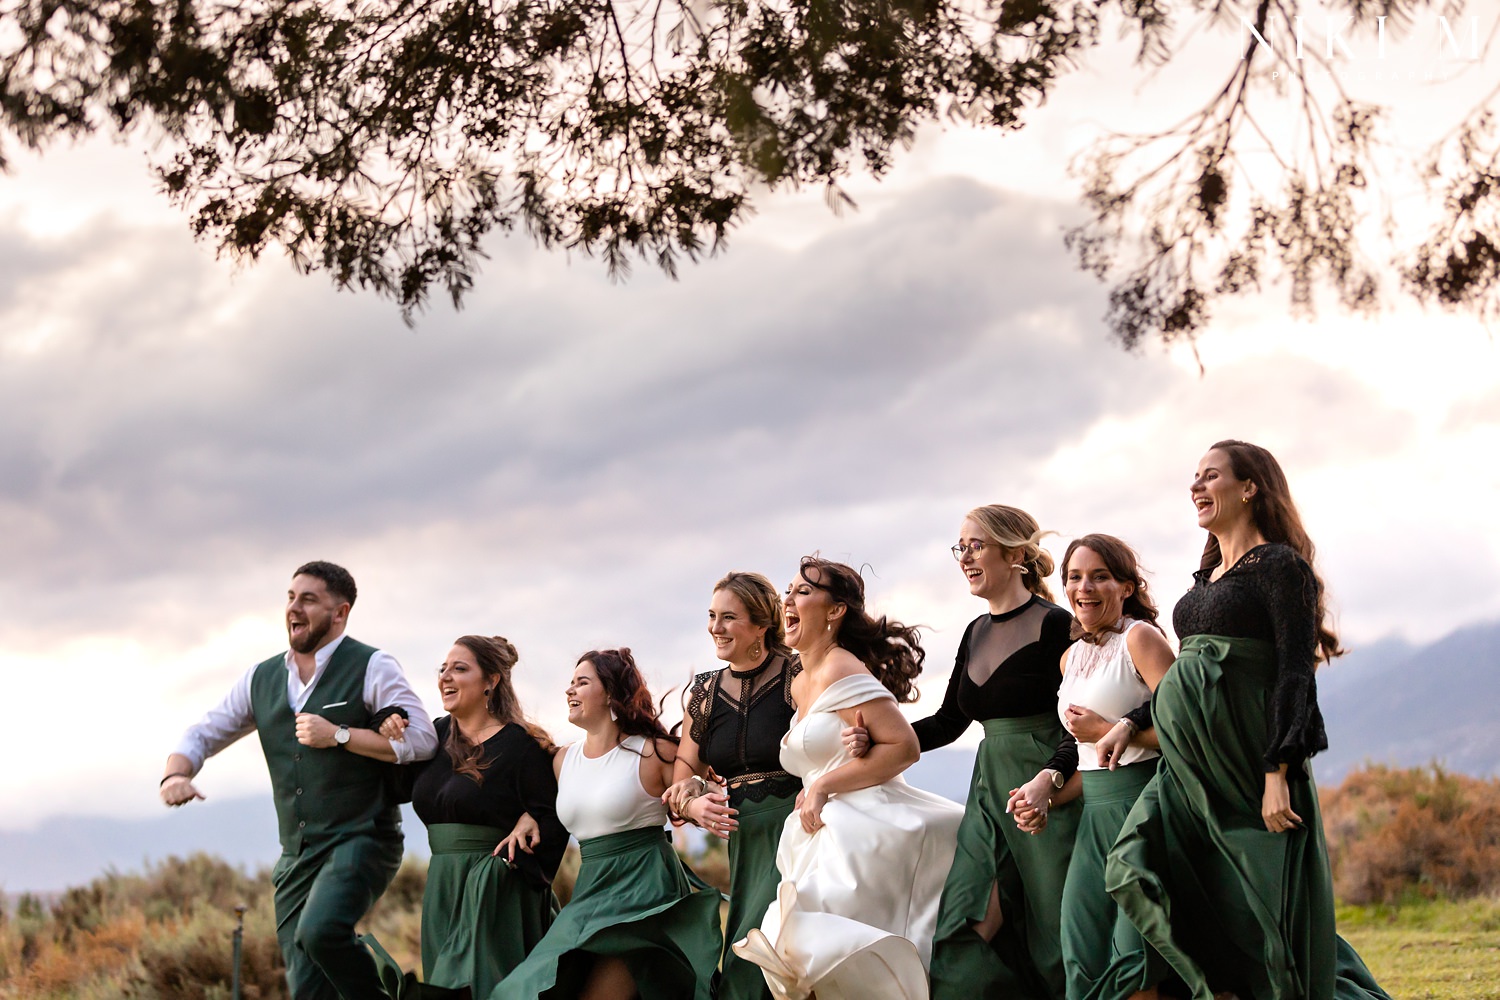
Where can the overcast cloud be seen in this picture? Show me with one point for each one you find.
(572, 462)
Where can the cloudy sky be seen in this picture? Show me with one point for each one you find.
(572, 462)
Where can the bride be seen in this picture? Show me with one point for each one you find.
(864, 856)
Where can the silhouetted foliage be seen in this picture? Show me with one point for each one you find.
(382, 140)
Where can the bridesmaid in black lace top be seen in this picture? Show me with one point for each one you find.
(1222, 864)
(736, 716)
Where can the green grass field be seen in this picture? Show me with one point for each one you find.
(1430, 951)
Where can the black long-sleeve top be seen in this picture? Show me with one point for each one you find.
(518, 779)
(1271, 593)
(1008, 666)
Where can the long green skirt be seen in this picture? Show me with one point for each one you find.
(1024, 961)
(1104, 956)
(633, 901)
(1227, 904)
(479, 918)
(752, 886)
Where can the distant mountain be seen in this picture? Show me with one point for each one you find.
(1389, 702)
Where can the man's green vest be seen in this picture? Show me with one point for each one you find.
(322, 794)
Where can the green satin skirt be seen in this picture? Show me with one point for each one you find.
(752, 889)
(1226, 904)
(1104, 956)
(633, 901)
(1024, 961)
(480, 919)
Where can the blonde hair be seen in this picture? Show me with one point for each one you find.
(1013, 528)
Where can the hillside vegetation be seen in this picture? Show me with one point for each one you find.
(1416, 855)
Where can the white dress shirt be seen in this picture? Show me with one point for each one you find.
(385, 687)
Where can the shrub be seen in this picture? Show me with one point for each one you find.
(1396, 834)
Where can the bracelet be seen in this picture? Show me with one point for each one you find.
(702, 784)
(1129, 724)
(175, 774)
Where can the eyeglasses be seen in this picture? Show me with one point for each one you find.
(975, 549)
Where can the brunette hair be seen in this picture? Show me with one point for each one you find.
(338, 580)
(496, 658)
(629, 699)
(1013, 528)
(1277, 520)
(1124, 565)
(892, 651)
(762, 604)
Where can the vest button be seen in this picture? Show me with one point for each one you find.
(301, 824)
(299, 791)
(296, 756)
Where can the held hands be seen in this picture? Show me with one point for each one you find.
(1029, 803)
(1276, 806)
(712, 812)
(810, 803)
(677, 796)
(315, 731)
(179, 790)
(1086, 725)
(856, 738)
(394, 728)
(525, 835)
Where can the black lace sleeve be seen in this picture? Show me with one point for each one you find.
(1294, 726)
(700, 704)
(949, 721)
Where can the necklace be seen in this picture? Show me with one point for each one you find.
(754, 671)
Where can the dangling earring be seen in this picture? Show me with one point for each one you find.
(828, 626)
(1245, 498)
(755, 649)
(612, 716)
(1021, 567)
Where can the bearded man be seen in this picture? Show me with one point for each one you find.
(317, 707)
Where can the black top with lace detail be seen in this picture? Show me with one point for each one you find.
(737, 718)
(1271, 593)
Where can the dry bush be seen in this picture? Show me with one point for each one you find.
(1396, 834)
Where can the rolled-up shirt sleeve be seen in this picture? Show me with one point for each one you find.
(386, 686)
(221, 725)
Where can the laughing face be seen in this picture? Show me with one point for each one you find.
(1098, 599)
(736, 638)
(461, 683)
(312, 613)
(588, 702)
(808, 611)
(1222, 500)
(985, 563)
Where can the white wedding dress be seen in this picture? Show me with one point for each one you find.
(858, 901)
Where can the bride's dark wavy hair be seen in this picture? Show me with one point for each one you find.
(629, 699)
(892, 651)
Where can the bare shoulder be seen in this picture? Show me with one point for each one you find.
(661, 747)
(841, 664)
(559, 754)
(1146, 639)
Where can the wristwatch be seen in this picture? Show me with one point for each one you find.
(341, 735)
(1057, 779)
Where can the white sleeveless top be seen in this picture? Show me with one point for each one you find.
(604, 795)
(1103, 678)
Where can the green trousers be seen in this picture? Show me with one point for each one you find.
(1224, 902)
(321, 893)
(1024, 961)
(753, 879)
(1104, 955)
